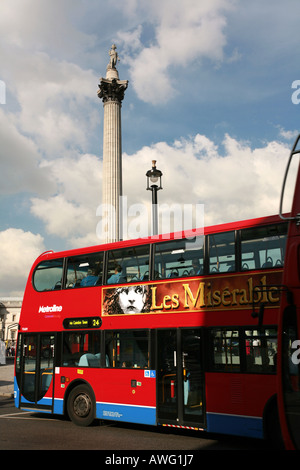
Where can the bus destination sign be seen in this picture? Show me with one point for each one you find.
(82, 323)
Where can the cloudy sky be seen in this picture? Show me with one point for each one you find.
(210, 97)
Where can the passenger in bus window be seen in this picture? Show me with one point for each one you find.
(90, 280)
(115, 278)
(196, 268)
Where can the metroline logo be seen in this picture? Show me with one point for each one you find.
(53, 308)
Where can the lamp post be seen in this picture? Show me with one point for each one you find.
(154, 177)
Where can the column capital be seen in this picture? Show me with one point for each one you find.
(112, 90)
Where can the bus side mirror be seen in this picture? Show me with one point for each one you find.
(259, 314)
(289, 297)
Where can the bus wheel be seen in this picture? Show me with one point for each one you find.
(81, 405)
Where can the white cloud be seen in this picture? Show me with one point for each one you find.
(288, 135)
(70, 214)
(43, 25)
(55, 96)
(19, 160)
(18, 250)
(234, 182)
(184, 34)
(56, 101)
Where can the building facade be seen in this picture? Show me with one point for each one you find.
(10, 309)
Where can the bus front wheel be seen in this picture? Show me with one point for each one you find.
(81, 405)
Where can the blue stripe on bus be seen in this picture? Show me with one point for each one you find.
(238, 425)
(35, 410)
(111, 411)
(128, 413)
(58, 406)
(42, 401)
(16, 393)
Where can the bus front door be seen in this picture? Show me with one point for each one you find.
(180, 378)
(34, 370)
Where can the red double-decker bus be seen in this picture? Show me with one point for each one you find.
(289, 319)
(160, 331)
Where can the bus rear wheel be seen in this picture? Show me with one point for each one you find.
(81, 405)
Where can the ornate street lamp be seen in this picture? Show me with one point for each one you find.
(154, 184)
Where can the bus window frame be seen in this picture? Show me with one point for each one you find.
(232, 263)
(62, 280)
(157, 253)
(92, 255)
(150, 345)
(244, 366)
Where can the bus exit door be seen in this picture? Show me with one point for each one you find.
(180, 377)
(34, 370)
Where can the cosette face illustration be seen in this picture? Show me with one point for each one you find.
(127, 300)
(132, 299)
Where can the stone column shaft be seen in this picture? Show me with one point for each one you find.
(112, 167)
(111, 91)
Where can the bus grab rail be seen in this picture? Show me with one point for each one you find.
(260, 314)
(293, 152)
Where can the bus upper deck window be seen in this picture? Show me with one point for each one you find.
(222, 252)
(179, 258)
(48, 275)
(129, 264)
(84, 270)
(263, 247)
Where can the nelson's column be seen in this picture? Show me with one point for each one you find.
(111, 91)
